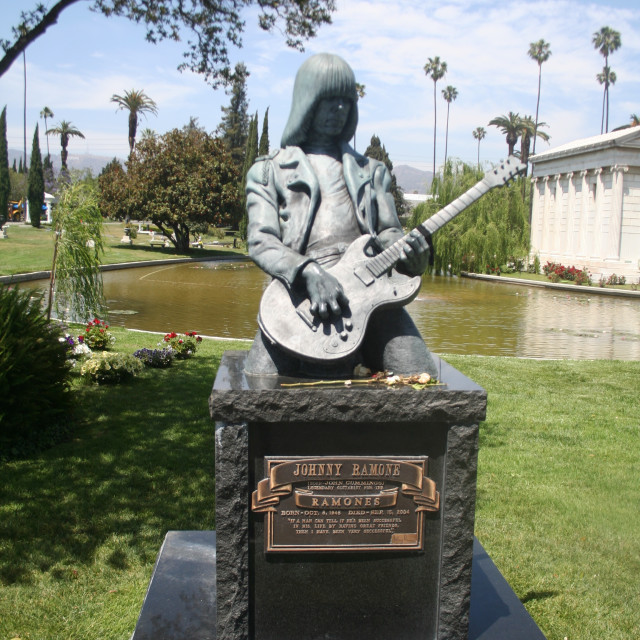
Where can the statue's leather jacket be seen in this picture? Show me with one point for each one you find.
(282, 198)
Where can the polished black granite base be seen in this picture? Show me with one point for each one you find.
(181, 600)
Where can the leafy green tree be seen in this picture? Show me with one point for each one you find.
(511, 126)
(234, 126)
(488, 234)
(377, 151)
(263, 147)
(606, 41)
(479, 133)
(5, 180)
(539, 51)
(35, 188)
(436, 70)
(65, 130)
(449, 94)
(181, 179)
(137, 103)
(113, 187)
(214, 25)
(49, 175)
(75, 285)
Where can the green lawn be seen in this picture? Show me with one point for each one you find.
(81, 524)
(28, 249)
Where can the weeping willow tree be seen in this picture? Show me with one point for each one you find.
(489, 234)
(75, 288)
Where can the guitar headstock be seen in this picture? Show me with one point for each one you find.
(507, 171)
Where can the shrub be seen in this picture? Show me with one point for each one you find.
(34, 373)
(583, 277)
(184, 346)
(96, 335)
(157, 358)
(110, 368)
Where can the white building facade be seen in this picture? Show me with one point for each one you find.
(586, 205)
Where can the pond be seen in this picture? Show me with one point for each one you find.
(455, 315)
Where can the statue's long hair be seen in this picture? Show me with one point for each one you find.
(324, 75)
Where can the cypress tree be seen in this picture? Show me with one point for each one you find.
(251, 153)
(36, 182)
(15, 169)
(234, 126)
(20, 169)
(263, 148)
(377, 151)
(5, 183)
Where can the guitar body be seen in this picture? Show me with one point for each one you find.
(286, 319)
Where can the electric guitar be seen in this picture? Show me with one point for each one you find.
(370, 282)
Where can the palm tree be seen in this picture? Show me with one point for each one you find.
(135, 102)
(607, 77)
(479, 133)
(65, 130)
(449, 94)
(540, 52)
(436, 69)
(511, 125)
(528, 130)
(46, 113)
(635, 120)
(606, 41)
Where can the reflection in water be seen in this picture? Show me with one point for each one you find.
(455, 315)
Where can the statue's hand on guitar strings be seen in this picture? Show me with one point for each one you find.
(414, 253)
(325, 292)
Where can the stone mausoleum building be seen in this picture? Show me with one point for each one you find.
(586, 204)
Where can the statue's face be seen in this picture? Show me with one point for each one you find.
(330, 117)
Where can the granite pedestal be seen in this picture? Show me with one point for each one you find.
(386, 592)
(181, 600)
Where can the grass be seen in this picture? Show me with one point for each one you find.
(28, 249)
(81, 524)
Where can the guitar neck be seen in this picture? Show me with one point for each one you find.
(390, 257)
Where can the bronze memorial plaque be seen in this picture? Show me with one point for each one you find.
(345, 503)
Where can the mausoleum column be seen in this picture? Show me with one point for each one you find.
(583, 221)
(544, 244)
(557, 233)
(615, 220)
(597, 240)
(571, 206)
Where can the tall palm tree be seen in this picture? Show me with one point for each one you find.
(46, 113)
(436, 70)
(479, 133)
(607, 77)
(540, 52)
(606, 41)
(65, 130)
(449, 94)
(135, 102)
(510, 125)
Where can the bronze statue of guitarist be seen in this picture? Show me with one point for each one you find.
(307, 203)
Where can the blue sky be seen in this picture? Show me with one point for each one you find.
(82, 61)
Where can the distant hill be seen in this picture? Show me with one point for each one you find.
(412, 180)
(74, 161)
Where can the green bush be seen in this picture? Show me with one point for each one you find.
(34, 373)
